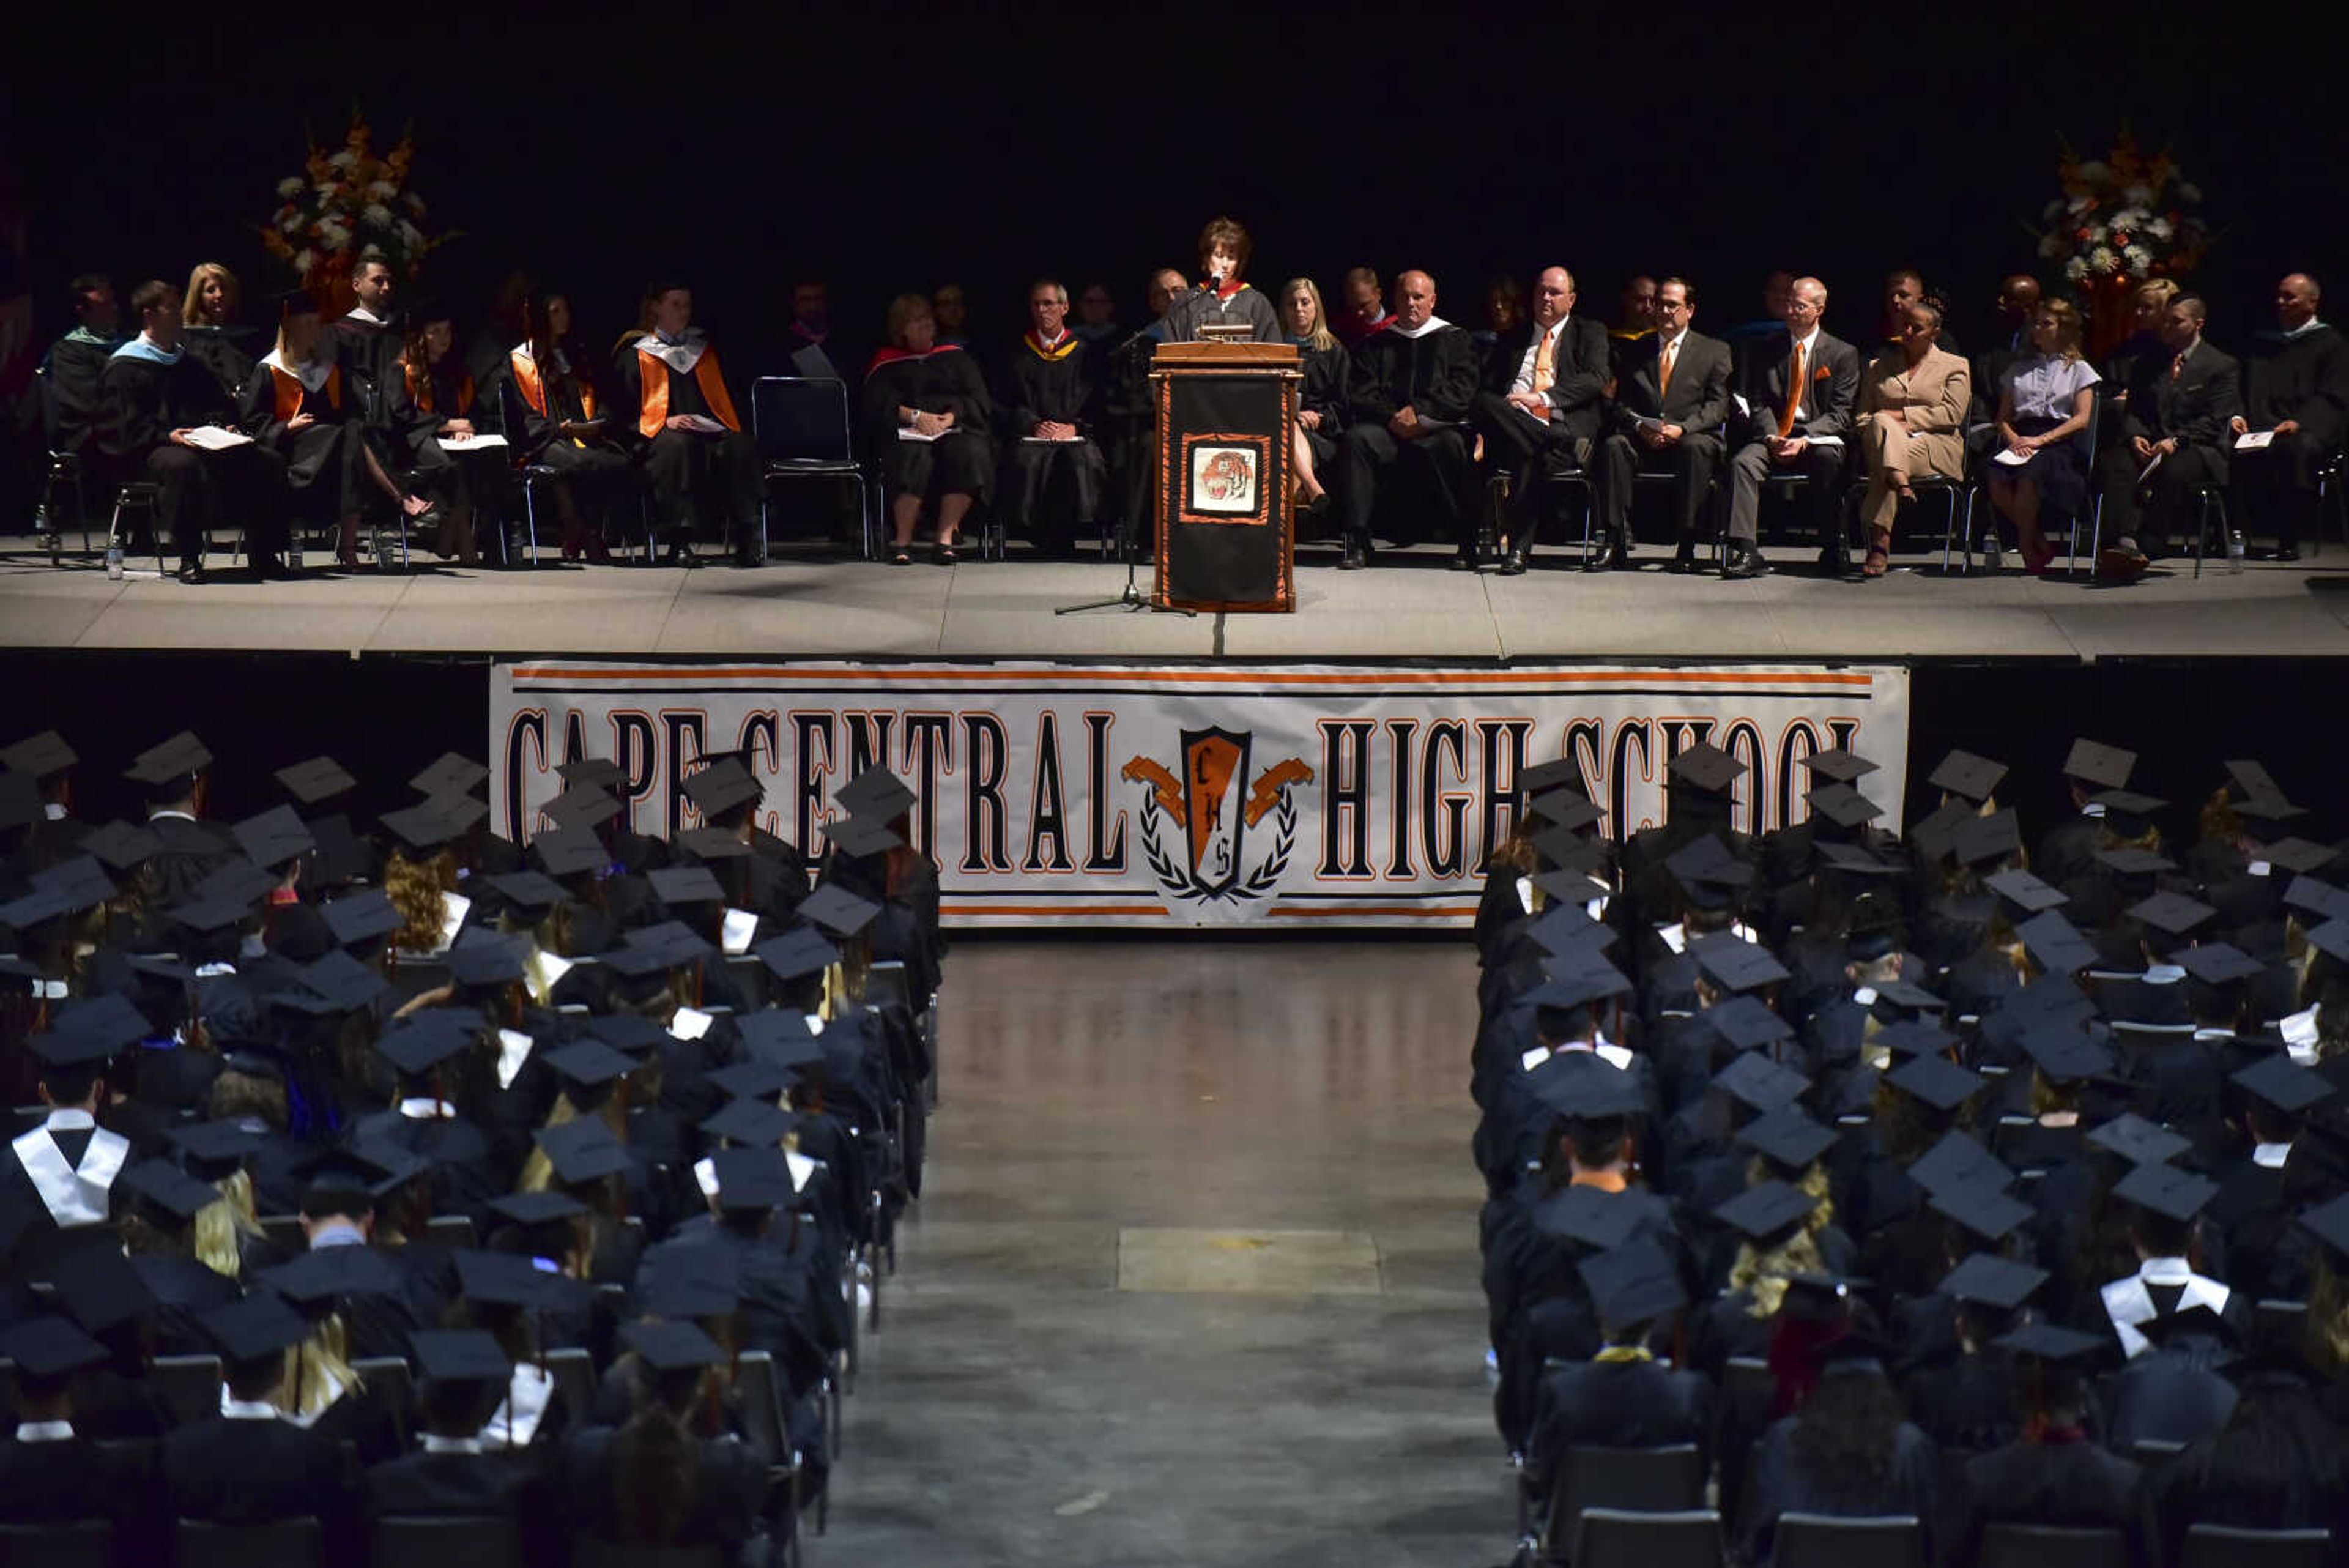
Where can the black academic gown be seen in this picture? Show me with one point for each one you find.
(1776, 1483)
(224, 352)
(1615, 1405)
(679, 466)
(66, 1480)
(368, 350)
(1048, 490)
(943, 380)
(456, 1484)
(1434, 376)
(142, 402)
(77, 363)
(255, 1471)
(729, 1483)
(1234, 305)
(318, 471)
(2076, 1485)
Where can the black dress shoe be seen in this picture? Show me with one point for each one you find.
(1355, 558)
(1684, 563)
(1514, 563)
(1464, 562)
(684, 557)
(193, 574)
(1745, 563)
(1611, 555)
(2286, 553)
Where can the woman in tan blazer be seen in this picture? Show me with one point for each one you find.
(1912, 413)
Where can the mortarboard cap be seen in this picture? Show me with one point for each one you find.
(2025, 891)
(1854, 858)
(753, 1080)
(671, 1346)
(1955, 1160)
(536, 1208)
(1978, 1204)
(120, 845)
(590, 1062)
(462, 812)
(485, 958)
(1820, 1297)
(720, 787)
(1582, 1085)
(1541, 778)
(583, 1149)
(713, 842)
(581, 807)
(1707, 767)
(1936, 1080)
(362, 916)
(64, 1048)
(1736, 964)
(78, 884)
(175, 759)
(593, 773)
(318, 1279)
(1936, 834)
(20, 800)
(424, 1040)
(1765, 1208)
(1992, 1281)
(2131, 861)
(2056, 943)
(209, 913)
(38, 756)
(99, 1288)
(1634, 1283)
(702, 1282)
(1579, 983)
(1992, 837)
(1839, 763)
(1913, 1037)
(780, 1038)
(2065, 1055)
(452, 774)
(862, 835)
(876, 793)
(2332, 939)
(421, 826)
(2253, 778)
(837, 911)
(529, 889)
(320, 778)
(2098, 763)
(2137, 1140)
(2217, 963)
(1753, 1079)
(1787, 1137)
(2172, 912)
(503, 1279)
(274, 836)
(257, 1327)
(1909, 994)
(1746, 1022)
(2300, 855)
(2051, 1342)
(2166, 1190)
(168, 1189)
(1708, 859)
(459, 1355)
(2285, 1083)
(753, 1123)
(683, 885)
(1842, 805)
(217, 1148)
(752, 1178)
(295, 302)
(49, 1349)
(629, 1033)
(2317, 897)
(1565, 809)
(1590, 1216)
(1963, 774)
(340, 855)
(2329, 1223)
(568, 852)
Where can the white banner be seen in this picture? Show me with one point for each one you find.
(1100, 795)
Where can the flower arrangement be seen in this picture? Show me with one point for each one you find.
(2123, 217)
(346, 206)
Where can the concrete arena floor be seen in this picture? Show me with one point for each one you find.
(1193, 1277)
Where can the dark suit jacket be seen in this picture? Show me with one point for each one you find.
(1699, 398)
(2193, 406)
(1830, 387)
(1579, 364)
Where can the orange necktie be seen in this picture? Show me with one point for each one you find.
(1664, 370)
(1545, 364)
(1794, 397)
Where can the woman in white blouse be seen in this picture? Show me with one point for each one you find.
(2042, 403)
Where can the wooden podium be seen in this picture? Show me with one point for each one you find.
(1227, 527)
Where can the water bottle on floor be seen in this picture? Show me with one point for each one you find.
(2234, 549)
(114, 560)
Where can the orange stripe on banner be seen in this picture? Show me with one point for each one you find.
(1415, 911)
(1050, 909)
(1214, 677)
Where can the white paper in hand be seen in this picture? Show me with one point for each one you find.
(1525, 893)
(472, 443)
(2254, 441)
(691, 1024)
(2012, 458)
(211, 438)
(702, 424)
(741, 925)
(907, 432)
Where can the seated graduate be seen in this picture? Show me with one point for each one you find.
(927, 414)
(156, 394)
(686, 433)
(76, 361)
(208, 327)
(812, 345)
(1222, 297)
(564, 429)
(1052, 472)
(454, 1472)
(1847, 1450)
(434, 400)
(57, 1183)
(1322, 397)
(312, 440)
(1414, 382)
(51, 1472)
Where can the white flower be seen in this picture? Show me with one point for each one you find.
(377, 215)
(2102, 259)
(2098, 234)
(2160, 228)
(409, 235)
(2075, 269)
(326, 189)
(291, 186)
(334, 236)
(383, 190)
(371, 252)
(303, 260)
(2189, 195)
(291, 222)
(2052, 246)
(345, 158)
(2139, 258)
(2138, 194)
(2077, 206)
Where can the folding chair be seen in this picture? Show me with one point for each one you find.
(2052, 1546)
(1668, 1479)
(451, 1230)
(803, 432)
(1621, 1538)
(284, 1232)
(85, 1543)
(1830, 1541)
(65, 469)
(445, 1540)
(589, 1551)
(189, 1385)
(392, 1374)
(574, 1371)
(280, 1543)
(528, 474)
(765, 1428)
(2225, 1546)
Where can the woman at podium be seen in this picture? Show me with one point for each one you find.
(1223, 305)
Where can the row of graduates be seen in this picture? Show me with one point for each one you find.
(639, 1072)
(1927, 1177)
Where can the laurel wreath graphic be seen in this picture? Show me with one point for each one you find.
(1263, 879)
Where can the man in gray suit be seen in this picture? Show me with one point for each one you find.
(1797, 420)
(1671, 397)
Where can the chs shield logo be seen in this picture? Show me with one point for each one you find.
(1213, 855)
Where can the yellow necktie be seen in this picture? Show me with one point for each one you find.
(1794, 397)
(1545, 364)
(1664, 371)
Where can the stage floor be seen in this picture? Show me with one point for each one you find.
(1408, 607)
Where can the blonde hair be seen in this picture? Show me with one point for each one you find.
(191, 307)
(1321, 336)
(2069, 329)
(414, 887)
(319, 1371)
(1765, 1275)
(221, 1226)
(2327, 1344)
(2162, 289)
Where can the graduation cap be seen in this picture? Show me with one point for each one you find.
(424, 1040)
(671, 1346)
(1543, 778)
(677, 942)
(320, 778)
(1560, 848)
(1566, 931)
(2051, 1342)
(2300, 855)
(1753, 1079)
(459, 1355)
(362, 916)
(65, 1049)
(1736, 964)
(1843, 805)
(780, 1038)
(837, 911)
(752, 1178)
(20, 800)
(590, 1062)
(340, 855)
(1854, 859)
(629, 1033)
(1580, 983)
(1746, 1022)
(2332, 939)
(2056, 943)
(713, 844)
(862, 835)
(509, 1280)
(536, 1208)
(1634, 1283)
(295, 302)
(581, 807)
(99, 1288)
(701, 1283)
(1956, 1157)
(753, 1080)
(2217, 963)
(1787, 1137)
(1992, 837)
(2025, 891)
(2284, 1083)
(1909, 995)
(110, 1019)
(1938, 833)
(1913, 1037)
(33, 910)
(78, 884)
(2166, 1190)
(1583, 1086)
(485, 958)
(48, 1349)
(217, 1148)
(179, 757)
(168, 1189)
(1565, 811)
(2131, 861)
(1992, 1281)
(258, 1326)
(1839, 763)
(38, 756)
(876, 793)
(594, 772)
(462, 811)
(275, 837)
(685, 884)
(2098, 763)
(2064, 1054)
(2172, 912)
(1706, 767)
(2137, 1140)
(1574, 889)
(1964, 774)
(1708, 859)
(720, 787)
(583, 1149)
(423, 826)
(120, 845)
(1820, 1297)
(1590, 1216)
(1936, 1080)
(452, 774)
(529, 889)
(1765, 1208)
(753, 1123)
(568, 852)
(319, 1278)
(1977, 1203)
(2329, 1223)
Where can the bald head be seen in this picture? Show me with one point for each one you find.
(2018, 296)
(1805, 301)
(1553, 297)
(2297, 297)
(1414, 300)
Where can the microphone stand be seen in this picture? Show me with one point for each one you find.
(1130, 597)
